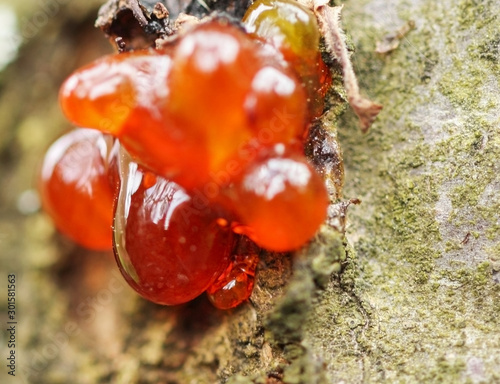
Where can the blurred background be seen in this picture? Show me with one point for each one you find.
(61, 289)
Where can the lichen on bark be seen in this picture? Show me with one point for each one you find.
(427, 231)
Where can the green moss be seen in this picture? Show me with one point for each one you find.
(293, 307)
(285, 325)
(427, 175)
(240, 379)
(476, 13)
(305, 369)
(327, 253)
(477, 280)
(494, 255)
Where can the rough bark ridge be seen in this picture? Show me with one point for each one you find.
(419, 294)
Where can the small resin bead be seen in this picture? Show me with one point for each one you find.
(293, 30)
(75, 189)
(280, 200)
(167, 249)
(235, 285)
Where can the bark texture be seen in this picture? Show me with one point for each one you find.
(414, 298)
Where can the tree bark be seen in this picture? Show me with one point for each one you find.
(414, 296)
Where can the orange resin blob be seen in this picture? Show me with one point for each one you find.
(208, 151)
(186, 110)
(227, 87)
(168, 249)
(280, 200)
(103, 94)
(75, 189)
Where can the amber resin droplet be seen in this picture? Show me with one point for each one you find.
(75, 188)
(235, 285)
(293, 30)
(280, 200)
(167, 248)
(185, 111)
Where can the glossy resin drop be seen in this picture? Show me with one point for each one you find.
(234, 86)
(104, 94)
(75, 189)
(293, 30)
(280, 200)
(187, 110)
(235, 285)
(167, 249)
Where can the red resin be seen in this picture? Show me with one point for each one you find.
(280, 200)
(235, 285)
(187, 110)
(167, 249)
(75, 190)
(213, 118)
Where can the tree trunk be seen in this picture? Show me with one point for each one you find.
(417, 298)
